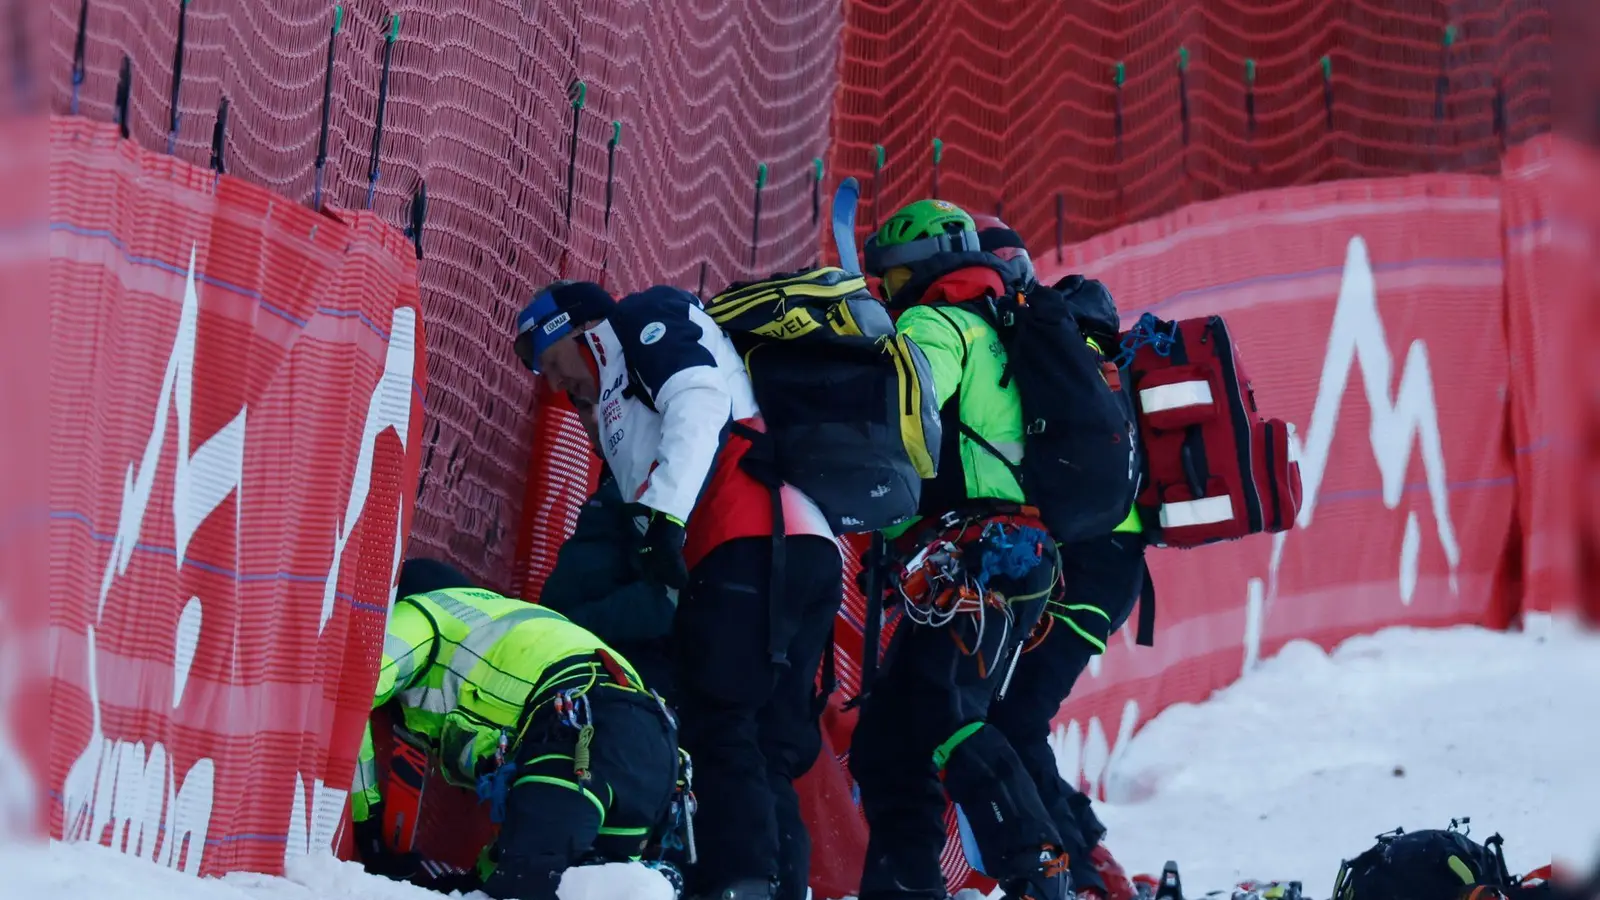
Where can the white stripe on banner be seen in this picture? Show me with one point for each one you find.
(1174, 396)
(1189, 513)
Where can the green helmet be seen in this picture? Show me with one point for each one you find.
(918, 231)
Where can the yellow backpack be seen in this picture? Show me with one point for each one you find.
(849, 405)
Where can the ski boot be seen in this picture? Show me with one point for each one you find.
(1167, 887)
(1050, 881)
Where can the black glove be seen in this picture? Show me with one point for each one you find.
(376, 857)
(660, 546)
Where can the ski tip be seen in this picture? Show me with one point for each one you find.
(850, 184)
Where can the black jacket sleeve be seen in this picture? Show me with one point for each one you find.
(596, 581)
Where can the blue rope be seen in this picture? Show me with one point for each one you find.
(1010, 552)
(494, 787)
(1147, 332)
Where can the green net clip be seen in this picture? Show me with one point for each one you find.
(579, 92)
(338, 18)
(1183, 59)
(878, 149)
(394, 27)
(1327, 68)
(816, 166)
(1250, 71)
(938, 151)
(1121, 74)
(761, 175)
(1449, 35)
(616, 132)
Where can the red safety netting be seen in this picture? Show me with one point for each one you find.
(1075, 118)
(235, 406)
(1548, 244)
(478, 108)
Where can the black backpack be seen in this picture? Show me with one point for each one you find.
(1080, 457)
(849, 405)
(1433, 864)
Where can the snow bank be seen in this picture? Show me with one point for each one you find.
(57, 871)
(1307, 759)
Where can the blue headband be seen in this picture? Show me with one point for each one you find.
(542, 324)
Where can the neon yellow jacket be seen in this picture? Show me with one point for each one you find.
(463, 664)
(965, 354)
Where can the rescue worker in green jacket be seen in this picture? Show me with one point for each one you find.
(578, 761)
(926, 721)
(1102, 578)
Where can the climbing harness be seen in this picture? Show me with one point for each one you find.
(571, 707)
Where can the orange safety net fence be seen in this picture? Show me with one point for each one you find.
(1072, 118)
(478, 109)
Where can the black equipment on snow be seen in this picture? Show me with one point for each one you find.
(1432, 864)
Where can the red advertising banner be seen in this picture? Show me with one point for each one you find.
(235, 413)
(1372, 316)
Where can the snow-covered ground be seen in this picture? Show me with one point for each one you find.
(1299, 764)
(1308, 758)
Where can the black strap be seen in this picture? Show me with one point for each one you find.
(762, 470)
(972, 435)
(1146, 635)
(830, 678)
(872, 625)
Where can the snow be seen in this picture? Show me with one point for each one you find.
(78, 871)
(1298, 765)
(1304, 761)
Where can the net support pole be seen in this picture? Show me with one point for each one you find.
(755, 221)
(879, 158)
(327, 109)
(78, 52)
(1441, 92)
(173, 115)
(373, 162)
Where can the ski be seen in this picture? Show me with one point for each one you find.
(845, 200)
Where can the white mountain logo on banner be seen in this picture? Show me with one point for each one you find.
(152, 812)
(1409, 421)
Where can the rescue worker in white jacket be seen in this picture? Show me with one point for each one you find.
(669, 387)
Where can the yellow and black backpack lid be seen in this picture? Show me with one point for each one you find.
(790, 305)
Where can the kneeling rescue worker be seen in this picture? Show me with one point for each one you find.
(578, 760)
(981, 568)
(673, 397)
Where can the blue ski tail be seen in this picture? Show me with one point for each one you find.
(845, 200)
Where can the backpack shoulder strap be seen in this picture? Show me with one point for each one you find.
(939, 310)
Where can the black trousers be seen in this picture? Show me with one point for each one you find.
(553, 821)
(750, 724)
(1102, 578)
(937, 689)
